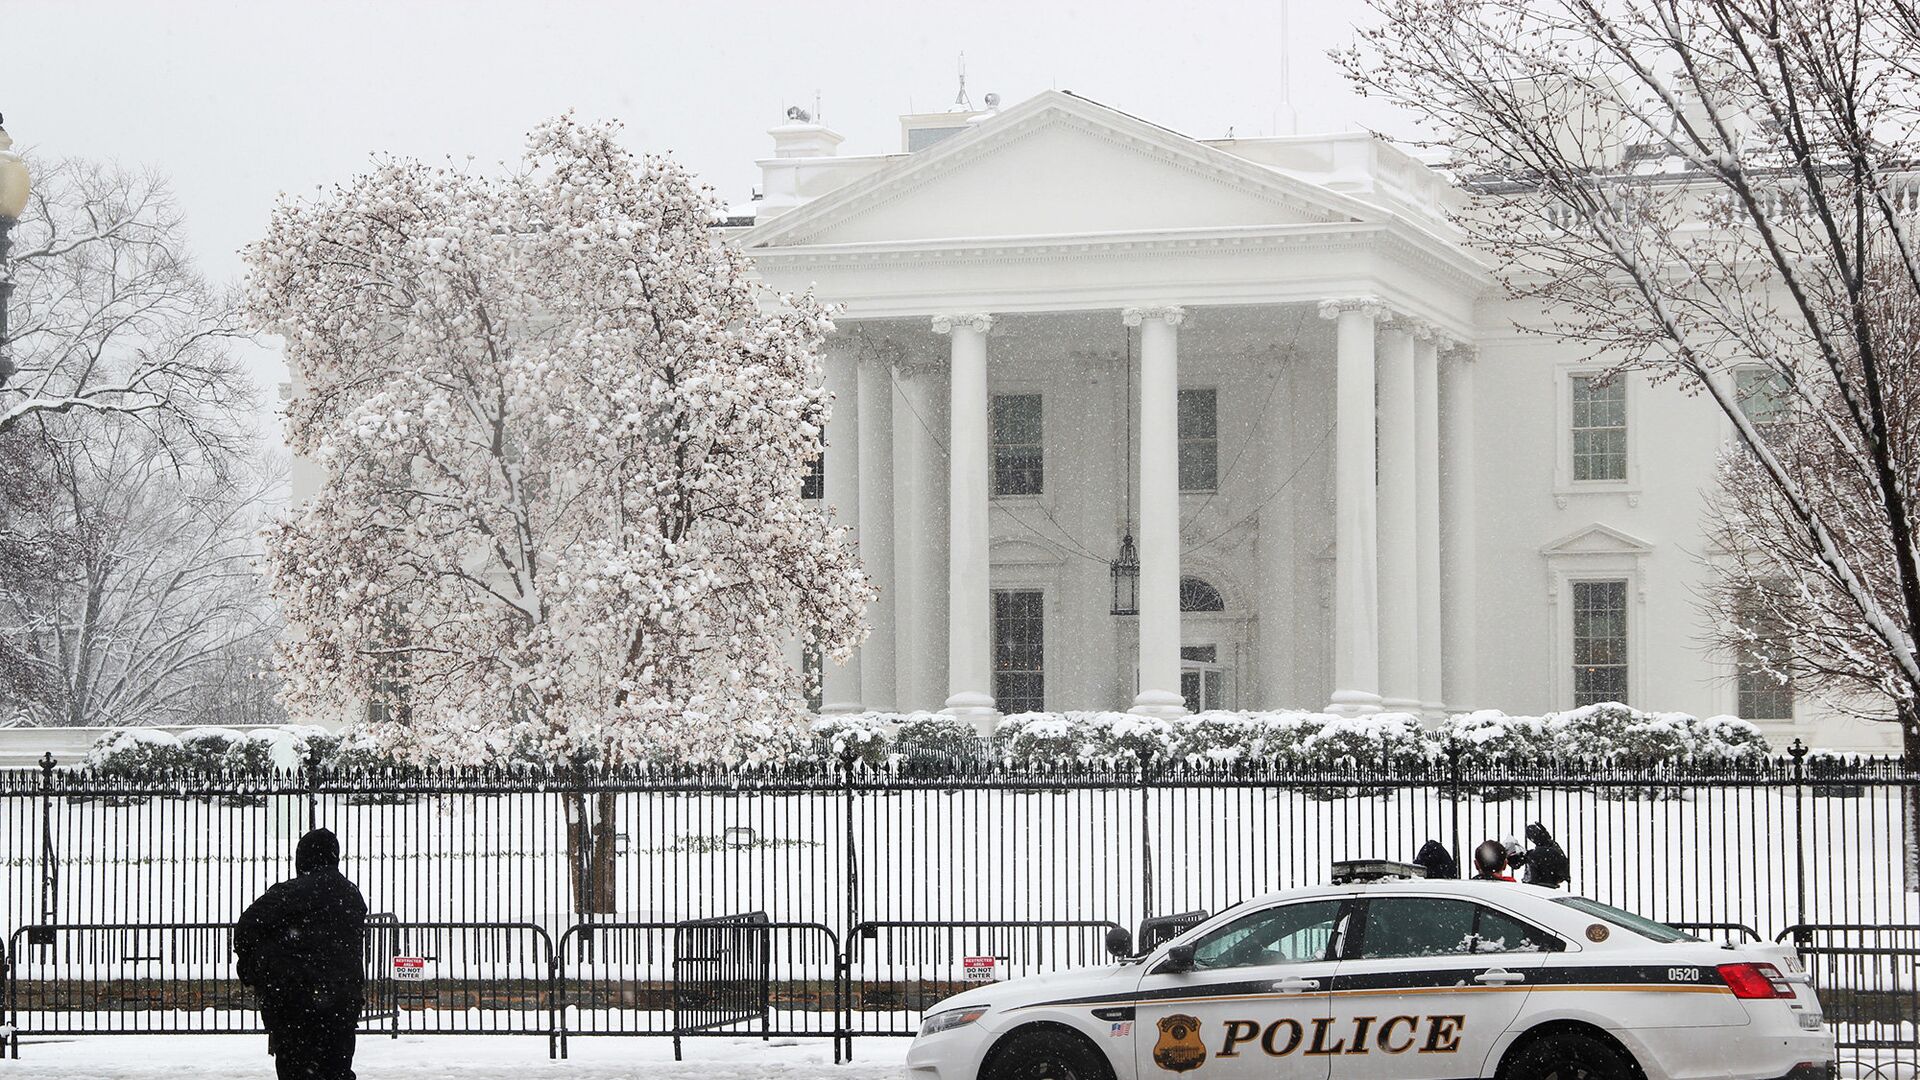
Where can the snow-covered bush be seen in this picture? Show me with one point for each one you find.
(860, 738)
(929, 743)
(1046, 740)
(135, 753)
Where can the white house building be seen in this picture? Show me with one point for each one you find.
(1271, 368)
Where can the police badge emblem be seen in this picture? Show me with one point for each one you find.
(1179, 1048)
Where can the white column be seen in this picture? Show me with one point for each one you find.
(969, 602)
(1426, 439)
(840, 683)
(1356, 598)
(1399, 588)
(920, 535)
(1456, 528)
(877, 686)
(1159, 509)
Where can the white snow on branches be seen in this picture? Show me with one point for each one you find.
(563, 444)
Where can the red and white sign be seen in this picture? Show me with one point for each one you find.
(981, 969)
(409, 969)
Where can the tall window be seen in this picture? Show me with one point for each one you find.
(1599, 427)
(1018, 463)
(1019, 661)
(813, 483)
(812, 669)
(1763, 397)
(1199, 439)
(1765, 688)
(1599, 642)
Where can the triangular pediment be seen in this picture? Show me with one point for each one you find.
(1056, 165)
(1598, 539)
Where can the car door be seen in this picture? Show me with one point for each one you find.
(1253, 1001)
(1429, 985)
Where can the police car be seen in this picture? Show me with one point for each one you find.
(1396, 979)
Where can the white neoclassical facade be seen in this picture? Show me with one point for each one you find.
(1269, 368)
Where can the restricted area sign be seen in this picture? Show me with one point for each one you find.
(982, 969)
(409, 969)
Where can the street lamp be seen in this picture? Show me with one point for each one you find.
(14, 188)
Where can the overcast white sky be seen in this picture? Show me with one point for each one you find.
(238, 102)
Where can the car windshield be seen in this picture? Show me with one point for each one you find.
(1646, 928)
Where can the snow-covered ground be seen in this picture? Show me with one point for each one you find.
(420, 1057)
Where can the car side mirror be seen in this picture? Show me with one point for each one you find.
(1119, 943)
(1179, 959)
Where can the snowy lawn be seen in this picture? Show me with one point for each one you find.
(420, 1057)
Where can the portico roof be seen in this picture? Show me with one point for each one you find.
(1063, 203)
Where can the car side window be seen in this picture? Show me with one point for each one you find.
(1495, 932)
(1288, 934)
(1404, 926)
(1416, 926)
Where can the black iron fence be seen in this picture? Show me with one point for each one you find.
(595, 903)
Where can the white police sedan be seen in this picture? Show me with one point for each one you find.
(1398, 980)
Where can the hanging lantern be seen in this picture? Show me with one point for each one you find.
(1126, 578)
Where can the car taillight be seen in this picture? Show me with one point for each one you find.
(1752, 981)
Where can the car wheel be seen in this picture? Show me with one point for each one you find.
(1046, 1054)
(1567, 1055)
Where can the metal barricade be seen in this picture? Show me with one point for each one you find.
(381, 1003)
(722, 972)
(473, 978)
(898, 970)
(702, 977)
(125, 979)
(1868, 979)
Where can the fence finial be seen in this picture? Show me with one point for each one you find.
(47, 762)
(1798, 750)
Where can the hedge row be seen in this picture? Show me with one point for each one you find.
(928, 743)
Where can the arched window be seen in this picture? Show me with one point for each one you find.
(1197, 595)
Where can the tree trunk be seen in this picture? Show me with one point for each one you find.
(1910, 790)
(591, 858)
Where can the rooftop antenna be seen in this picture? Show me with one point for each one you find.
(818, 116)
(962, 103)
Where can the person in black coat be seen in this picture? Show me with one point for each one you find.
(1437, 861)
(300, 948)
(1546, 861)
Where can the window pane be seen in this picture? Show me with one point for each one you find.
(1018, 459)
(1019, 651)
(1499, 933)
(1197, 595)
(813, 485)
(1599, 642)
(1290, 934)
(1760, 661)
(1416, 926)
(1599, 428)
(1762, 394)
(1199, 439)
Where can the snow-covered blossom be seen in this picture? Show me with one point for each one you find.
(563, 440)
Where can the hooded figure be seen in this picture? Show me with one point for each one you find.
(1437, 861)
(1546, 861)
(300, 948)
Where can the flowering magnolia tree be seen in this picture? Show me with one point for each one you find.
(562, 446)
(1721, 193)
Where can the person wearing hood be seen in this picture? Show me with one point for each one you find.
(1437, 861)
(1546, 862)
(300, 949)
